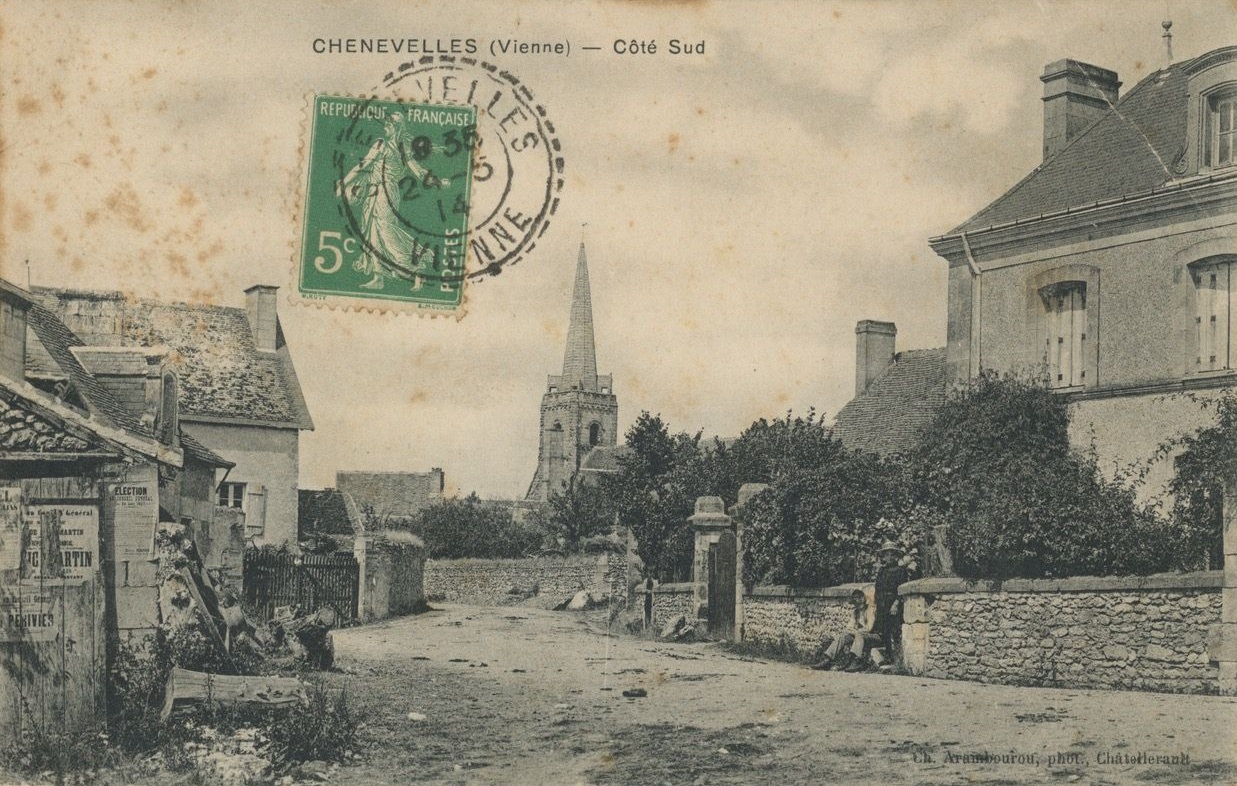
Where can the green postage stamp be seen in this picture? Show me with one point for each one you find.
(386, 203)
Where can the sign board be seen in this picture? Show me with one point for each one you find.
(62, 541)
(135, 511)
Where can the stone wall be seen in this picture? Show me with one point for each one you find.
(797, 618)
(670, 601)
(480, 582)
(392, 566)
(1148, 633)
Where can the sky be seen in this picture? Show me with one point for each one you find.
(742, 209)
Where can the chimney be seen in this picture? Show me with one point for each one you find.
(260, 302)
(1075, 96)
(874, 347)
(14, 305)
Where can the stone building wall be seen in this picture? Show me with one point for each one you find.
(479, 582)
(796, 618)
(1147, 633)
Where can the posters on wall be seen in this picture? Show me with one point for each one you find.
(135, 514)
(29, 612)
(10, 527)
(62, 542)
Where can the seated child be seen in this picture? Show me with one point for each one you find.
(850, 650)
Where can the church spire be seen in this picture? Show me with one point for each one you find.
(580, 359)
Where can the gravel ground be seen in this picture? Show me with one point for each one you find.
(466, 695)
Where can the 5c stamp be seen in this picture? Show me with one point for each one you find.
(387, 196)
(453, 175)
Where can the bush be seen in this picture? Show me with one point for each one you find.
(822, 526)
(322, 729)
(997, 466)
(1206, 460)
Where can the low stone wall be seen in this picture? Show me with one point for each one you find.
(480, 582)
(392, 580)
(797, 618)
(1149, 633)
(670, 601)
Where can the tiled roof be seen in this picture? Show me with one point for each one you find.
(197, 450)
(890, 415)
(1135, 147)
(391, 495)
(51, 351)
(221, 372)
(322, 512)
(604, 458)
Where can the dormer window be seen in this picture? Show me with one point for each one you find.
(1222, 129)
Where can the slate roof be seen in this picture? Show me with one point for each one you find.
(890, 415)
(1134, 147)
(222, 374)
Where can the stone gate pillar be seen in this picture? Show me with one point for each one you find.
(746, 492)
(708, 523)
(1227, 657)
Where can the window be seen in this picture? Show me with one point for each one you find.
(232, 495)
(1213, 317)
(1065, 316)
(1222, 130)
(594, 434)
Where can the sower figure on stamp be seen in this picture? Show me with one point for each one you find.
(891, 575)
(372, 190)
(849, 650)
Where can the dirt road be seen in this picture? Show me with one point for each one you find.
(523, 696)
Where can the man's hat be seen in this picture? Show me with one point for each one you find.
(889, 545)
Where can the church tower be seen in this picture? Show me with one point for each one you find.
(579, 410)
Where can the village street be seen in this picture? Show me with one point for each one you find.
(523, 696)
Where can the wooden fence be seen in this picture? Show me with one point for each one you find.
(310, 581)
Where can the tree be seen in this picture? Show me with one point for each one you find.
(1206, 463)
(471, 527)
(655, 491)
(821, 525)
(581, 511)
(997, 466)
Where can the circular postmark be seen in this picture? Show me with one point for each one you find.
(518, 163)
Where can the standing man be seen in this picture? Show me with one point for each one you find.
(889, 577)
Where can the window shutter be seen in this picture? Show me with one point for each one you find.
(255, 511)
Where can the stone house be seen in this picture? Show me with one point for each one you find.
(239, 392)
(1111, 269)
(109, 453)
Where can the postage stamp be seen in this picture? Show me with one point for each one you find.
(453, 176)
(387, 201)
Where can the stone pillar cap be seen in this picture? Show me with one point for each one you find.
(709, 505)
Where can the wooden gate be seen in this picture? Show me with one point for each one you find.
(722, 570)
(310, 581)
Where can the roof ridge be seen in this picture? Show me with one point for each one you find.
(1154, 77)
